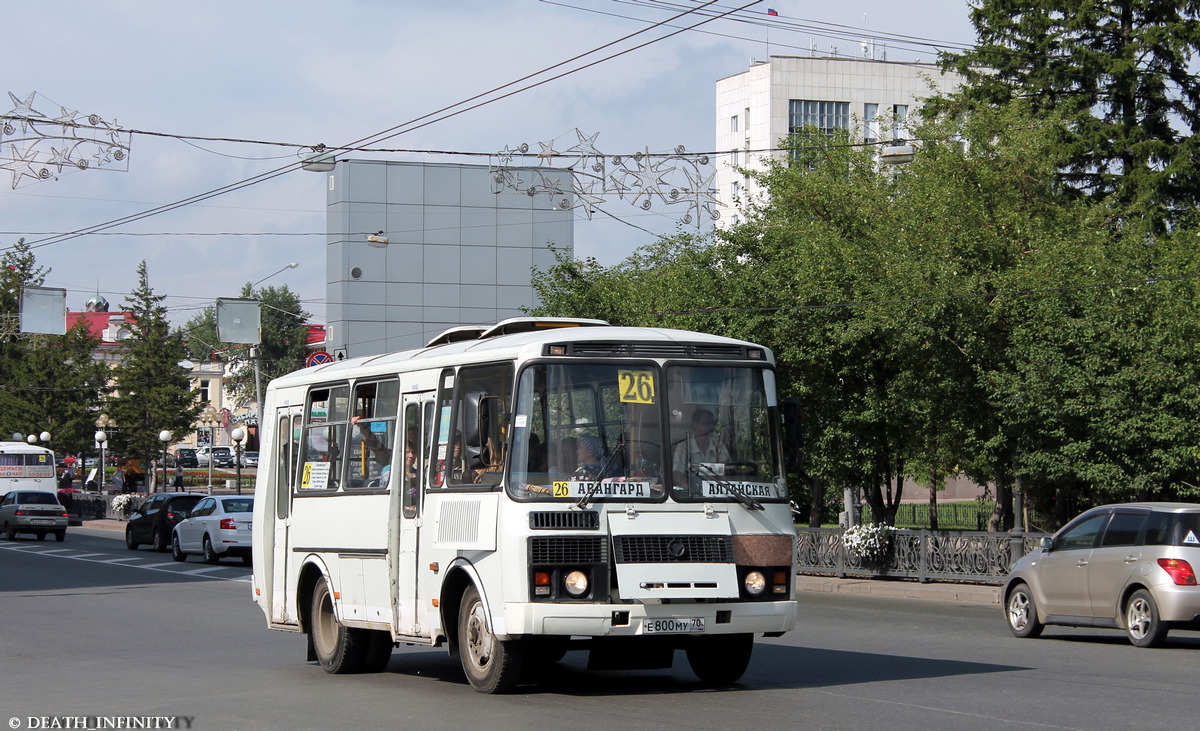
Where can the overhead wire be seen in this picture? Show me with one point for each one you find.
(417, 123)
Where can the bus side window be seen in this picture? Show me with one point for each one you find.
(412, 463)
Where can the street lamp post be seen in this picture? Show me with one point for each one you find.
(210, 418)
(238, 435)
(164, 436)
(103, 423)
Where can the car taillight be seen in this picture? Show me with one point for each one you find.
(228, 524)
(18, 512)
(172, 517)
(64, 515)
(1180, 571)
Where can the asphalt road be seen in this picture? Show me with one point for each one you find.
(93, 630)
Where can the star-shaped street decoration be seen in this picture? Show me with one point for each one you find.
(548, 153)
(24, 165)
(23, 110)
(67, 118)
(637, 178)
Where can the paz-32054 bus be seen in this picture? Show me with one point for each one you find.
(519, 491)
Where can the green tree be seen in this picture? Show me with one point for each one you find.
(151, 391)
(50, 383)
(57, 385)
(1120, 74)
(961, 313)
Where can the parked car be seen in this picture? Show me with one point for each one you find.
(217, 527)
(220, 456)
(33, 511)
(249, 459)
(154, 520)
(1129, 567)
(186, 457)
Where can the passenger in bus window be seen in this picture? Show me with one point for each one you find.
(566, 459)
(383, 457)
(698, 447)
(458, 466)
(537, 454)
(590, 454)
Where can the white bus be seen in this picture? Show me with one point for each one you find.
(26, 467)
(515, 492)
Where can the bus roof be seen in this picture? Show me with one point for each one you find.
(22, 448)
(467, 344)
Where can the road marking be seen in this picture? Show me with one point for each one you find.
(175, 568)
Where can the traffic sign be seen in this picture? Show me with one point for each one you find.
(318, 358)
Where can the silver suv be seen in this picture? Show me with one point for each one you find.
(1129, 567)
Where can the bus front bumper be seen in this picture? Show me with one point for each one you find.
(630, 620)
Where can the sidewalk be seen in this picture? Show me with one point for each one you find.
(942, 592)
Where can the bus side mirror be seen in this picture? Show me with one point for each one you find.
(483, 418)
(793, 434)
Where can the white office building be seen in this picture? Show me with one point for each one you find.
(759, 107)
(416, 248)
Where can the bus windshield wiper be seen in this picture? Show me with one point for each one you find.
(583, 501)
(738, 493)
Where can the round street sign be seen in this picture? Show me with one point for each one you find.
(318, 358)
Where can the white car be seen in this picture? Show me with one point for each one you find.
(217, 527)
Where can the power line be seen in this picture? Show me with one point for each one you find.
(411, 125)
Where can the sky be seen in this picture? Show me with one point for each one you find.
(286, 75)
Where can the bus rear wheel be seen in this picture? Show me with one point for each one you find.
(491, 666)
(720, 659)
(337, 648)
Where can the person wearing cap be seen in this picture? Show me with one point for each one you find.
(590, 454)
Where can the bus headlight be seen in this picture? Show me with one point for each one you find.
(576, 583)
(755, 583)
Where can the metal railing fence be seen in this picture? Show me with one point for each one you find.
(918, 554)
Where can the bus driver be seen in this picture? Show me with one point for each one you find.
(700, 446)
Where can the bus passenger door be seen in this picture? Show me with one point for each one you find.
(417, 415)
(287, 438)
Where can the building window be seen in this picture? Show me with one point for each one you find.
(733, 123)
(204, 394)
(734, 158)
(870, 126)
(899, 121)
(734, 189)
(828, 117)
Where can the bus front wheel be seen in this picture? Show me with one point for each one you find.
(337, 648)
(720, 659)
(491, 666)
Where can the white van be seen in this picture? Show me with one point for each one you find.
(26, 467)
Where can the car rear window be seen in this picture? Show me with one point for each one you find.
(37, 498)
(1189, 529)
(238, 505)
(185, 503)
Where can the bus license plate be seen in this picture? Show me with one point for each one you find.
(673, 625)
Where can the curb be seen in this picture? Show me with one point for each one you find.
(970, 593)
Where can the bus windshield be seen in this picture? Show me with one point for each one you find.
(588, 432)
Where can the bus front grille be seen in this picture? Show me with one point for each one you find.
(564, 520)
(567, 550)
(673, 549)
